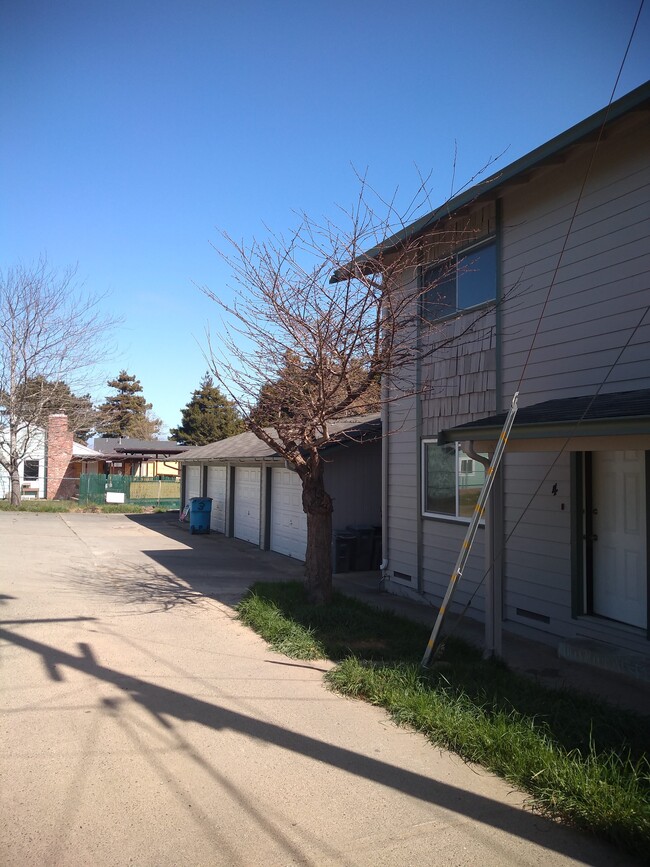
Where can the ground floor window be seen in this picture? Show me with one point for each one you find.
(30, 472)
(451, 482)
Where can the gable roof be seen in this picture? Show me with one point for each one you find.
(248, 446)
(545, 154)
(84, 452)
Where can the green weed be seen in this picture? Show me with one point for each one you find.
(580, 759)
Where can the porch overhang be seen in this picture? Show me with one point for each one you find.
(620, 420)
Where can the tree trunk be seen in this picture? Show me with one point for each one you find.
(14, 467)
(15, 488)
(317, 505)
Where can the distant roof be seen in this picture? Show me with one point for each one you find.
(548, 152)
(126, 445)
(247, 446)
(602, 414)
(83, 452)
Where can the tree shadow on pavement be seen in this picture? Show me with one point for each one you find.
(195, 570)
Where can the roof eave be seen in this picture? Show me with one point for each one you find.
(635, 100)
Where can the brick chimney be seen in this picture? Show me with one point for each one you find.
(59, 454)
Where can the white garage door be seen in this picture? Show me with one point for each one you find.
(288, 521)
(217, 490)
(247, 504)
(192, 483)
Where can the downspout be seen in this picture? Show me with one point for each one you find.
(494, 532)
(183, 483)
(495, 524)
(418, 430)
(46, 461)
(493, 645)
(499, 313)
(385, 420)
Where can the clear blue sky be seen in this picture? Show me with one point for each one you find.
(134, 131)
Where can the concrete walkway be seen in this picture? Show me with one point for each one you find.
(142, 724)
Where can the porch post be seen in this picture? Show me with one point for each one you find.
(494, 571)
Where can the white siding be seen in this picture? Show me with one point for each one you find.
(34, 452)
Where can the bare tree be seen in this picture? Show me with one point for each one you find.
(51, 333)
(317, 323)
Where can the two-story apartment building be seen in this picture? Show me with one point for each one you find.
(543, 271)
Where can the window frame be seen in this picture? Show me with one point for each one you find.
(442, 516)
(449, 268)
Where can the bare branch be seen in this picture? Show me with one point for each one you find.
(52, 335)
(314, 324)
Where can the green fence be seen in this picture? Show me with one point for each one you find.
(137, 491)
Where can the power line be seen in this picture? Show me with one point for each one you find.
(538, 327)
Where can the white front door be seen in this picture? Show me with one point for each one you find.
(288, 521)
(620, 576)
(217, 490)
(247, 504)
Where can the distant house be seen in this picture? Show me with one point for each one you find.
(53, 463)
(548, 295)
(124, 456)
(257, 496)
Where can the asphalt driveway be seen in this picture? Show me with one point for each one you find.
(142, 724)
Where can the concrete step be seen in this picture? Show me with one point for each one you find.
(606, 656)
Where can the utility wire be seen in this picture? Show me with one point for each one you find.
(548, 472)
(578, 201)
(539, 323)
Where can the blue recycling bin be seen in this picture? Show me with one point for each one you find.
(200, 510)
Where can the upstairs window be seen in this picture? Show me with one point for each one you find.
(467, 279)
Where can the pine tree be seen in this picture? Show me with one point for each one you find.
(127, 413)
(208, 417)
(40, 397)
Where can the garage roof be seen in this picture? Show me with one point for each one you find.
(247, 446)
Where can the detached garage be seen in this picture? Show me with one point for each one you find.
(257, 496)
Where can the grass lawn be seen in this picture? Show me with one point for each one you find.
(581, 760)
(73, 506)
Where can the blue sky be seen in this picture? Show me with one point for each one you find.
(134, 132)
